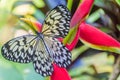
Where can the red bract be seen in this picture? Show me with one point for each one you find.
(95, 36)
(97, 39)
(60, 73)
(81, 12)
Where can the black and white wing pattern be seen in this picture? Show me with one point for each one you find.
(57, 22)
(20, 49)
(60, 54)
(41, 60)
(29, 48)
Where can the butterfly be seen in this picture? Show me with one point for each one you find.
(43, 48)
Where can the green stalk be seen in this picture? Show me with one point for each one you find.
(69, 4)
(70, 35)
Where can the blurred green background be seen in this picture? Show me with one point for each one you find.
(88, 64)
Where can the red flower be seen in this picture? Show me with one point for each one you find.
(90, 35)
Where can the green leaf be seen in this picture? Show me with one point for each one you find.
(76, 52)
(69, 4)
(95, 16)
(70, 35)
(118, 2)
(39, 3)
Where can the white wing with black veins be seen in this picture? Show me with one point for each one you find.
(60, 54)
(57, 22)
(20, 49)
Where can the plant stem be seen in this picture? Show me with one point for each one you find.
(116, 70)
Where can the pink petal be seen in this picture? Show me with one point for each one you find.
(81, 12)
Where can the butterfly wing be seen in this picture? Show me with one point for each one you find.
(57, 22)
(20, 49)
(41, 60)
(60, 54)
(29, 48)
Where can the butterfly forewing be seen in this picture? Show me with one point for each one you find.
(20, 49)
(57, 22)
(60, 54)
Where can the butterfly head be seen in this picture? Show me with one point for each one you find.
(40, 35)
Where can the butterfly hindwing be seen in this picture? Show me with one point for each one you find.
(43, 65)
(60, 54)
(57, 22)
(19, 49)
(41, 60)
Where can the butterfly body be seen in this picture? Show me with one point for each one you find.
(40, 35)
(43, 48)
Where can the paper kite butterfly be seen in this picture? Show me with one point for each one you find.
(43, 48)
